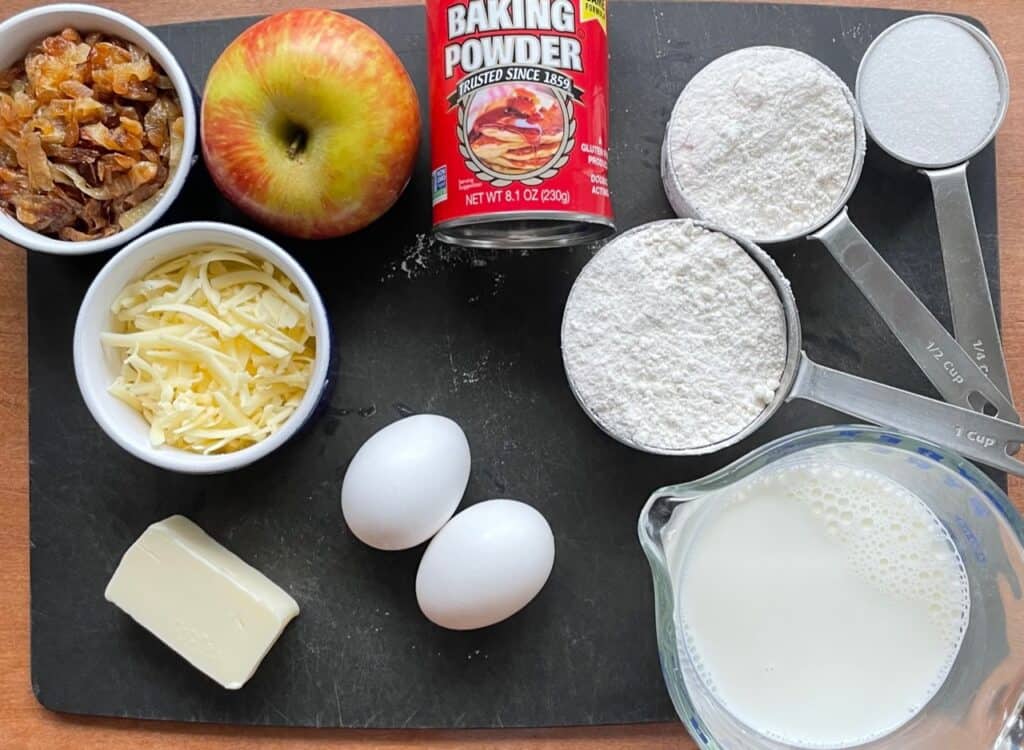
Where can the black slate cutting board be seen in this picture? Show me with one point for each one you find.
(473, 335)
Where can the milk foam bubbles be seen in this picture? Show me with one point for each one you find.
(822, 605)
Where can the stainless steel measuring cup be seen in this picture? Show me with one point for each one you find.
(974, 318)
(955, 374)
(986, 439)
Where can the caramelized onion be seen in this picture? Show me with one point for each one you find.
(90, 131)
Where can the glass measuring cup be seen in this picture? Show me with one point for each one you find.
(986, 439)
(978, 706)
(954, 373)
(974, 318)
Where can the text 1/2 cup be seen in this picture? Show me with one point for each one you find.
(933, 91)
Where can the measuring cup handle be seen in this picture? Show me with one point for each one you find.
(985, 439)
(974, 315)
(952, 371)
(1012, 737)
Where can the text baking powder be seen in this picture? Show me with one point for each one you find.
(519, 122)
(673, 337)
(762, 142)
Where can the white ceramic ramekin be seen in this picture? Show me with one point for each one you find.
(96, 366)
(19, 32)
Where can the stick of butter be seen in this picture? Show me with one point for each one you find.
(201, 599)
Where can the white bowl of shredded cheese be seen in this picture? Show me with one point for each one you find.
(202, 347)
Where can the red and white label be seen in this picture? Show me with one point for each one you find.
(518, 107)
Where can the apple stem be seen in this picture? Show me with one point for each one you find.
(299, 137)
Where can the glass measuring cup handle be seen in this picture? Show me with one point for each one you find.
(974, 315)
(953, 372)
(984, 439)
(1013, 735)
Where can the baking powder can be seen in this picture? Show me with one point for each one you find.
(519, 122)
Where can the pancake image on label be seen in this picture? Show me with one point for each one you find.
(515, 129)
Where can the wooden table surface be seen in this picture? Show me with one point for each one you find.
(25, 724)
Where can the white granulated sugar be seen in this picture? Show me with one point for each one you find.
(762, 141)
(674, 337)
(929, 92)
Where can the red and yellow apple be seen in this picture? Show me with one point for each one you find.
(310, 123)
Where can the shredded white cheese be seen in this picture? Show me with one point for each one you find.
(217, 350)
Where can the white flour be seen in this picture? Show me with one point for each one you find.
(674, 337)
(762, 141)
(425, 256)
(929, 91)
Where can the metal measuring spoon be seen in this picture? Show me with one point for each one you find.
(970, 301)
(955, 374)
(988, 440)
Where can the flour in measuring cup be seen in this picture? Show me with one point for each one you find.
(673, 337)
(763, 142)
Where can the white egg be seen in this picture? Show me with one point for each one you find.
(485, 565)
(405, 482)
